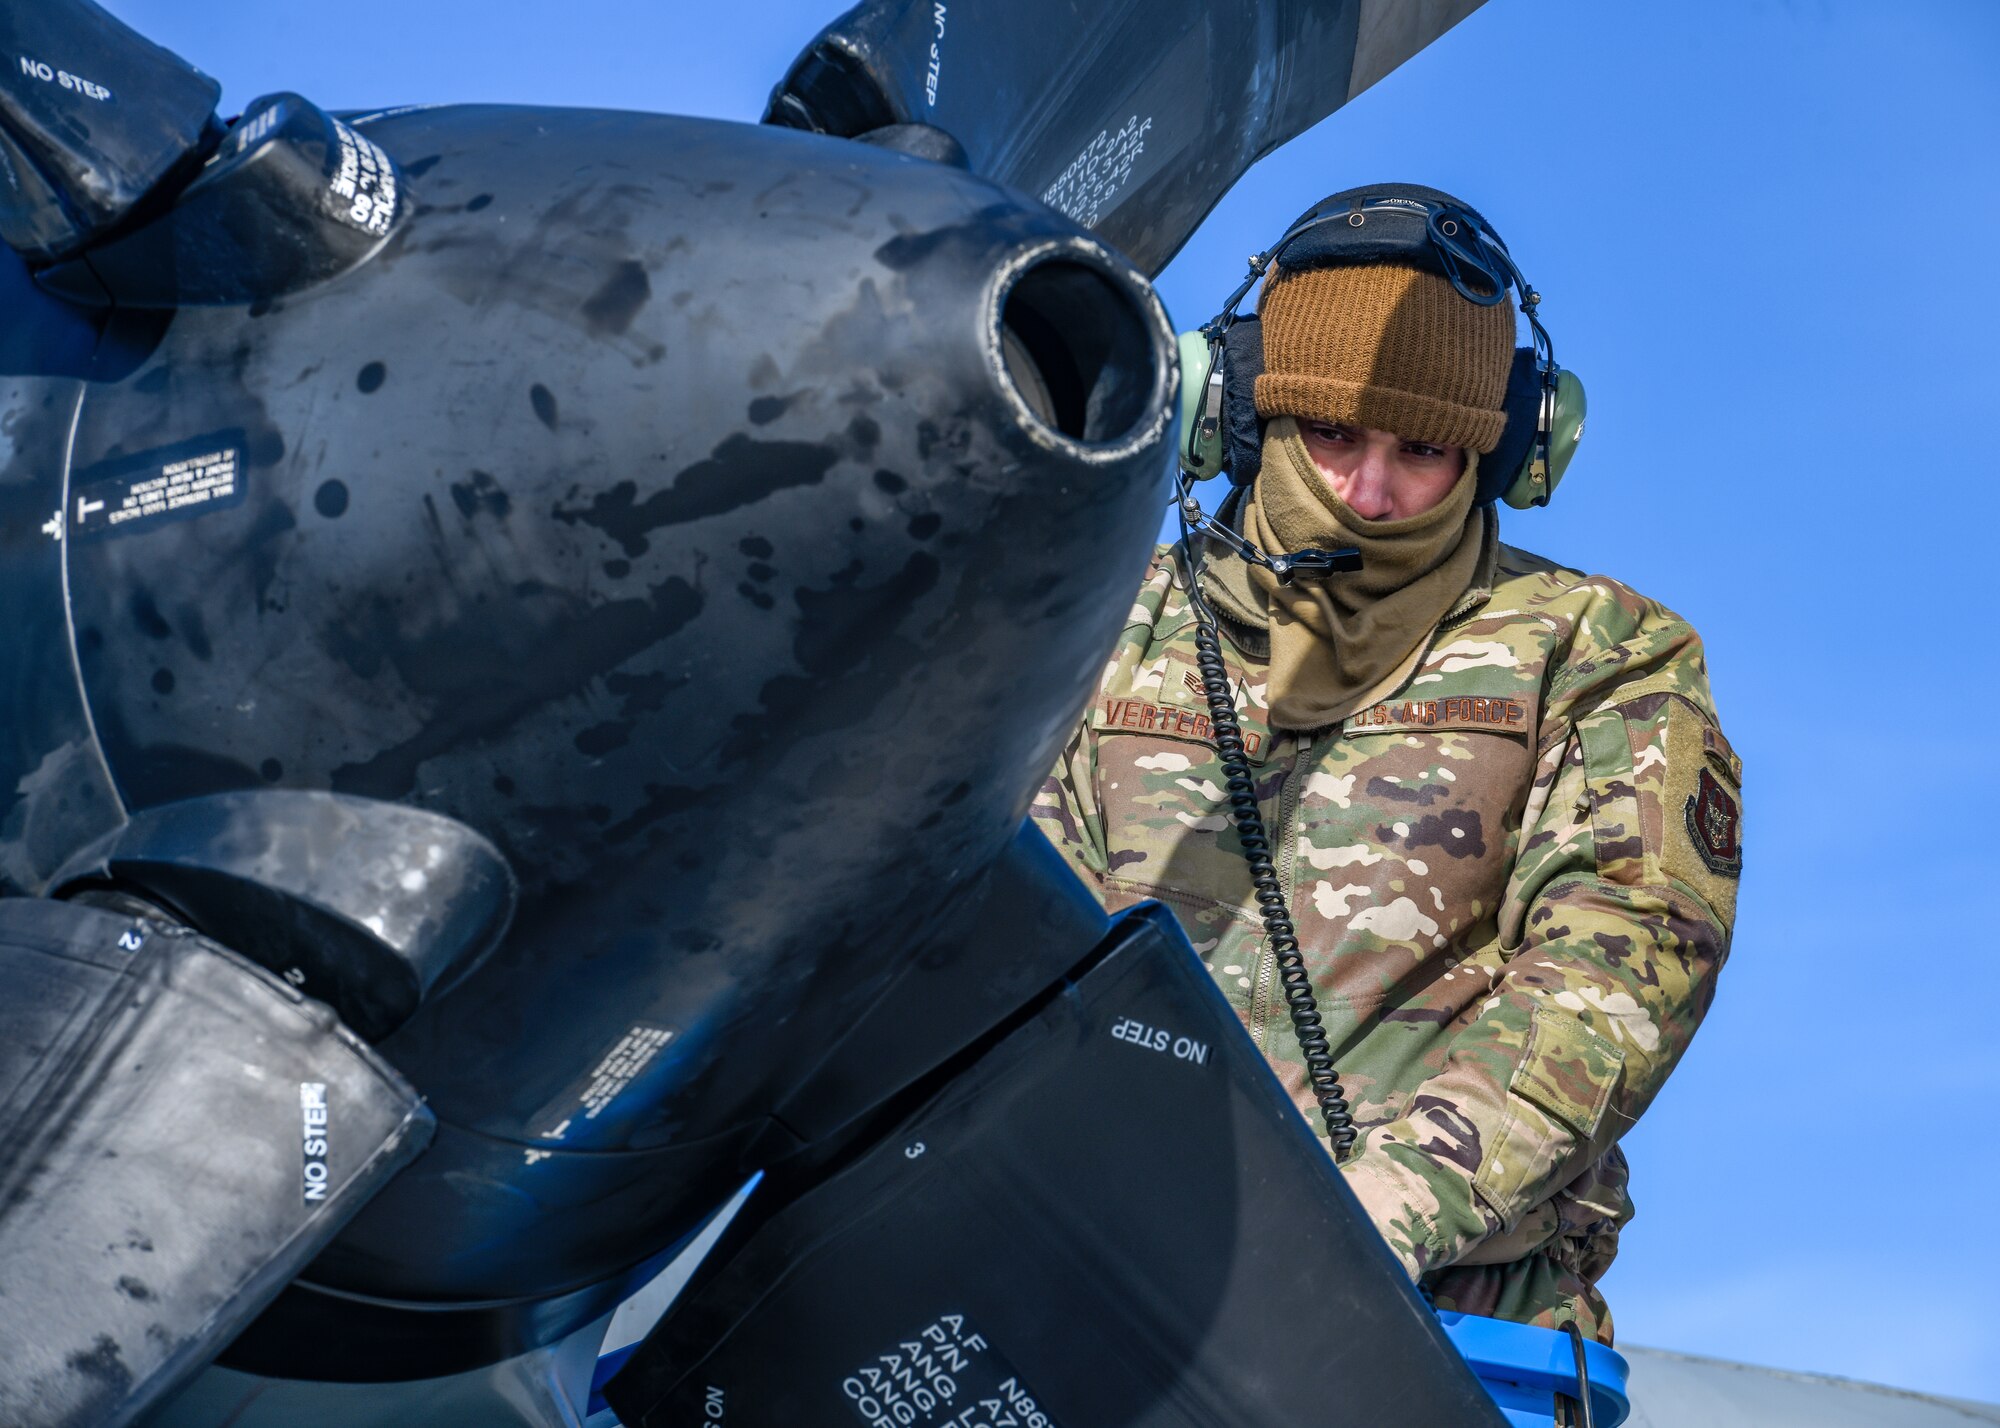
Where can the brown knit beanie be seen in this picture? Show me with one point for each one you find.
(1385, 346)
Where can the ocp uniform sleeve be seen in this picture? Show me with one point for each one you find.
(1067, 810)
(1617, 919)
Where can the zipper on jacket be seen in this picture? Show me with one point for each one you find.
(1468, 605)
(1286, 847)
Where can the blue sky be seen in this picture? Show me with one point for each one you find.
(1765, 234)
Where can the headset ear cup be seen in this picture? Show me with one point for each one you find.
(1505, 466)
(1242, 431)
(1565, 431)
(1200, 448)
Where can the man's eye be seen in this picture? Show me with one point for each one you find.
(1329, 433)
(1418, 448)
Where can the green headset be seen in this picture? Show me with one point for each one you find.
(1398, 223)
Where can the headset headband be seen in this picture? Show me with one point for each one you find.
(1439, 235)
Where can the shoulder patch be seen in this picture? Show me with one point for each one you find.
(1714, 823)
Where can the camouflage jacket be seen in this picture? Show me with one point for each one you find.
(1513, 882)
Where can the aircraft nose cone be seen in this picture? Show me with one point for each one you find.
(729, 524)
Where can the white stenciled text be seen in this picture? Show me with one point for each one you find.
(363, 188)
(314, 1134)
(1158, 1038)
(75, 84)
(1087, 187)
(937, 54)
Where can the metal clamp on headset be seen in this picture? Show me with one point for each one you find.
(1309, 563)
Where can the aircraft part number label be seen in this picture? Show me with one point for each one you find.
(609, 1077)
(1085, 189)
(130, 494)
(943, 1376)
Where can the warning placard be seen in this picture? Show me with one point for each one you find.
(609, 1076)
(137, 493)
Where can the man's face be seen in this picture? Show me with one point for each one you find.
(1379, 475)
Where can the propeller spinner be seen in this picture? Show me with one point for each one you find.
(585, 599)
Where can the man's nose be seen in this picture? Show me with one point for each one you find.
(1370, 490)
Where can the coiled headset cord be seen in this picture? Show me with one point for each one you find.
(1256, 841)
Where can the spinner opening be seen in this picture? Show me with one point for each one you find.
(1078, 351)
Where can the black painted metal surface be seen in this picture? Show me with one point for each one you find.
(179, 1133)
(1018, 928)
(591, 596)
(971, 1268)
(291, 198)
(1131, 116)
(370, 907)
(92, 118)
(662, 505)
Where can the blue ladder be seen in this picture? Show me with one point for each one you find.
(1524, 1368)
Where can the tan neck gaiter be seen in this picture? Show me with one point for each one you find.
(1341, 642)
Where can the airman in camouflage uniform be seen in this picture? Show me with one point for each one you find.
(1513, 877)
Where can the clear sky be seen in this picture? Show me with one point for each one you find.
(1766, 235)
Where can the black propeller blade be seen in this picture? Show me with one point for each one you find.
(92, 118)
(1132, 117)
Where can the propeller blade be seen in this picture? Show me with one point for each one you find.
(93, 117)
(1132, 117)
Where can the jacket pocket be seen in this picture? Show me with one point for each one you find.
(1556, 1099)
(1167, 818)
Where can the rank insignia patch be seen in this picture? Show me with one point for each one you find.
(1181, 686)
(1715, 824)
